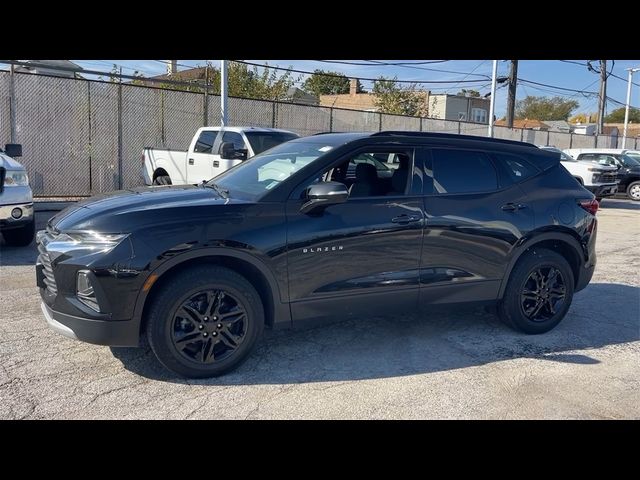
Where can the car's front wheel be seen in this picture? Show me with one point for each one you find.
(204, 321)
(539, 292)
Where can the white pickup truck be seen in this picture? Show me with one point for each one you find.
(212, 151)
(17, 222)
(598, 179)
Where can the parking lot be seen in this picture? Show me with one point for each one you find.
(450, 363)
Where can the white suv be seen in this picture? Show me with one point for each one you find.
(598, 179)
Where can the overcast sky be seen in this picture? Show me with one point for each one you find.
(555, 73)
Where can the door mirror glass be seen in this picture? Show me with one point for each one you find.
(324, 194)
(228, 152)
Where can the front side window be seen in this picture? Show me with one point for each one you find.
(204, 144)
(463, 171)
(479, 115)
(629, 161)
(235, 138)
(366, 176)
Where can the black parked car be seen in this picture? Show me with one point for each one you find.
(290, 236)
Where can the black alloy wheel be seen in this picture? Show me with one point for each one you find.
(208, 326)
(543, 294)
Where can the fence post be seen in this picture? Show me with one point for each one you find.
(421, 124)
(331, 119)
(522, 134)
(571, 140)
(379, 122)
(459, 127)
(120, 146)
(12, 105)
(162, 136)
(90, 138)
(273, 114)
(548, 137)
(596, 143)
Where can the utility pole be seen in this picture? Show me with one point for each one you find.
(603, 95)
(493, 96)
(223, 92)
(511, 100)
(172, 67)
(626, 108)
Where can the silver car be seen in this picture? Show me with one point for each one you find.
(17, 221)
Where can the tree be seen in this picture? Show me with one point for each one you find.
(323, 83)
(243, 81)
(582, 118)
(391, 97)
(468, 93)
(545, 108)
(617, 115)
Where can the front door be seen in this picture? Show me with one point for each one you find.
(201, 158)
(476, 213)
(362, 256)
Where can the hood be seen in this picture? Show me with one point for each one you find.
(598, 165)
(9, 163)
(126, 210)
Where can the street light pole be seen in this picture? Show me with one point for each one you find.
(493, 96)
(626, 109)
(223, 93)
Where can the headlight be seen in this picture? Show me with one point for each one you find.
(16, 178)
(85, 240)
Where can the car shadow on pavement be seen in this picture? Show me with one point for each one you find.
(12, 256)
(439, 340)
(619, 204)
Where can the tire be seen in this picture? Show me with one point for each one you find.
(162, 180)
(519, 297)
(20, 237)
(633, 191)
(181, 332)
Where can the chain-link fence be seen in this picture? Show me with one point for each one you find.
(82, 137)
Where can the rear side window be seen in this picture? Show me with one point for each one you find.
(513, 168)
(463, 171)
(205, 142)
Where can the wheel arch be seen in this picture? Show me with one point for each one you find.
(254, 270)
(158, 172)
(562, 242)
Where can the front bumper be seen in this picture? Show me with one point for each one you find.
(605, 190)
(7, 220)
(122, 333)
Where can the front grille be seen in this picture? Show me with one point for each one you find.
(608, 177)
(49, 279)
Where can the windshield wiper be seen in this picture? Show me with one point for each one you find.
(223, 192)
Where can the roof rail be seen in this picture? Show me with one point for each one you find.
(401, 133)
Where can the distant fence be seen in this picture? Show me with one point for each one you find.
(82, 137)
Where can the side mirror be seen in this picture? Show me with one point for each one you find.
(228, 152)
(323, 194)
(13, 150)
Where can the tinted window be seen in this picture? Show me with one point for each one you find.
(261, 141)
(515, 168)
(205, 142)
(235, 138)
(462, 171)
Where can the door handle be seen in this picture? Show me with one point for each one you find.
(216, 163)
(191, 161)
(402, 219)
(513, 207)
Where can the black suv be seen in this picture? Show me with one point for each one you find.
(307, 231)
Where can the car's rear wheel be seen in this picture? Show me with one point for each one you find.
(22, 236)
(204, 321)
(162, 180)
(539, 292)
(633, 191)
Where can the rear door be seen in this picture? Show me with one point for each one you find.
(201, 157)
(476, 212)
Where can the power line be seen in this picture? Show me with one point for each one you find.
(334, 75)
(376, 63)
(397, 64)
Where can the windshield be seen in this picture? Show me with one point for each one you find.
(255, 177)
(261, 141)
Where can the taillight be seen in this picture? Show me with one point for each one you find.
(590, 205)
